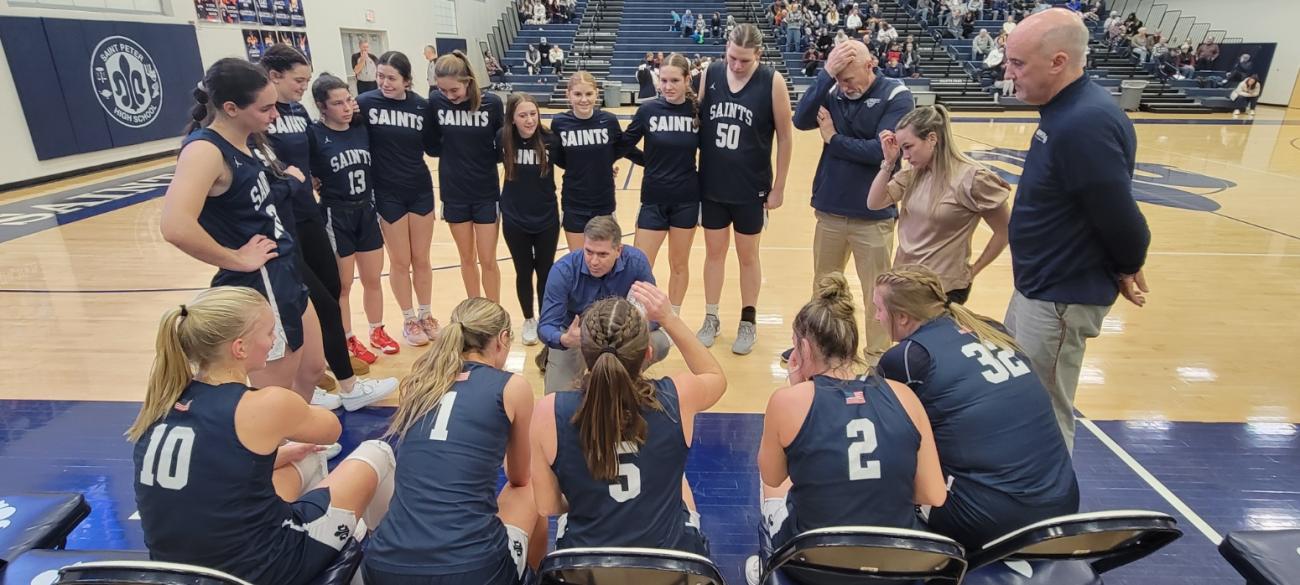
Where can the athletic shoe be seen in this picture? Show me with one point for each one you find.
(1250, 113)
(359, 351)
(752, 570)
(430, 326)
(530, 332)
(380, 340)
(327, 383)
(359, 367)
(785, 356)
(368, 391)
(325, 400)
(746, 335)
(1236, 114)
(414, 334)
(709, 330)
(332, 451)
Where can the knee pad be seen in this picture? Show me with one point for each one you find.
(312, 469)
(378, 455)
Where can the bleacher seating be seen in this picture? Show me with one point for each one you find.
(645, 28)
(563, 35)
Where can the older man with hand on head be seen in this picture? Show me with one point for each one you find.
(1077, 237)
(850, 105)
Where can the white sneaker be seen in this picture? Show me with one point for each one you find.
(1236, 114)
(1250, 113)
(367, 392)
(332, 451)
(709, 330)
(752, 570)
(325, 400)
(530, 332)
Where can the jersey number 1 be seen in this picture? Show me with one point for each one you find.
(439, 432)
(171, 469)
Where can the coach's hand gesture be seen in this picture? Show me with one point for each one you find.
(256, 253)
(1134, 288)
(573, 337)
(889, 145)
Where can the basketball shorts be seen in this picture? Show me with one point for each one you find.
(690, 540)
(975, 514)
(509, 568)
(394, 206)
(352, 228)
(660, 217)
(748, 218)
(575, 220)
(279, 281)
(479, 212)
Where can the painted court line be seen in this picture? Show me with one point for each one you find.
(1155, 484)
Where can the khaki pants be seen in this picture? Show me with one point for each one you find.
(1054, 336)
(564, 367)
(871, 241)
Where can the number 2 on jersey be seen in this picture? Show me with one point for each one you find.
(1000, 367)
(728, 136)
(859, 466)
(171, 469)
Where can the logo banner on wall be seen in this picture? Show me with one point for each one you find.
(93, 85)
(247, 11)
(265, 14)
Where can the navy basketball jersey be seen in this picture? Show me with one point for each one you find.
(643, 507)
(588, 150)
(442, 519)
(671, 141)
(204, 498)
(853, 461)
(992, 419)
(396, 143)
(287, 136)
(736, 132)
(467, 145)
(341, 161)
(528, 198)
(249, 206)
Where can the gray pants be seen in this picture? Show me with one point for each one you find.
(1054, 336)
(565, 366)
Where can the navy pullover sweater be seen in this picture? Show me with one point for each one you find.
(850, 161)
(1075, 225)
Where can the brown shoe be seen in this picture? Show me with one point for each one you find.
(359, 367)
(327, 383)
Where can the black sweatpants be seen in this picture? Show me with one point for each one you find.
(320, 272)
(531, 254)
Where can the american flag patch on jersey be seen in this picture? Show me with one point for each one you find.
(182, 407)
(855, 398)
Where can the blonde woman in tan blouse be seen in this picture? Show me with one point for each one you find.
(942, 195)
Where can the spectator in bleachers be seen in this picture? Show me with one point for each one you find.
(544, 47)
(1243, 68)
(895, 51)
(1185, 61)
(794, 21)
(688, 23)
(975, 7)
(893, 69)
(887, 35)
(982, 45)
(649, 60)
(1159, 48)
(923, 11)
(525, 11)
(968, 25)
(1112, 20)
(1206, 54)
(731, 25)
(646, 83)
(677, 22)
(699, 29)
(496, 73)
(825, 41)
(1246, 96)
(812, 60)
(1131, 24)
(1141, 45)
(874, 11)
(911, 59)
(1115, 33)
(1074, 5)
(557, 59)
(715, 26)
(539, 13)
(533, 59)
(853, 22)
(1001, 8)
(833, 19)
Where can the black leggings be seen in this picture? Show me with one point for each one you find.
(320, 272)
(531, 253)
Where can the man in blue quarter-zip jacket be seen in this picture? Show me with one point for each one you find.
(850, 105)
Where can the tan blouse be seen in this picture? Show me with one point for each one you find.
(935, 225)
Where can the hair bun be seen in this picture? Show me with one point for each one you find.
(833, 287)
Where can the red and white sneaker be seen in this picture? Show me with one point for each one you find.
(359, 351)
(430, 326)
(380, 340)
(414, 334)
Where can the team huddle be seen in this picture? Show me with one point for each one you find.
(952, 431)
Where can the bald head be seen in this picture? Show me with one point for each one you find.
(1045, 53)
(1053, 31)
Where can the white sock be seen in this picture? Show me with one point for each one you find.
(408, 314)
(374, 326)
(424, 311)
(711, 310)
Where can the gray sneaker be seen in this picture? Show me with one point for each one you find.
(746, 335)
(709, 330)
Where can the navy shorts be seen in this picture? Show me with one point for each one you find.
(279, 281)
(748, 218)
(975, 515)
(508, 568)
(480, 212)
(393, 207)
(660, 217)
(309, 540)
(575, 220)
(352, 228)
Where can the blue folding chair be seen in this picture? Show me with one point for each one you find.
(1264, 557)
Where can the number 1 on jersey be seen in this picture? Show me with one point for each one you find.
(439, 432)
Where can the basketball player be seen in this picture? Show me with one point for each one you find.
(461, 128)
(215, 482)
(743, 103)
(1003, 455)
(618, 444)
(287, 136)
(670, 191)
(340, 156)
(403, 190)
(460, 414)
(589, 147)
(830, 412)
(530, 217)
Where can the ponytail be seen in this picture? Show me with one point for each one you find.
(169, 376)
(201, 114)
(947, 158)
(917, 292)
(456, 64)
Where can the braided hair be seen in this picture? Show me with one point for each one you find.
(917, 292)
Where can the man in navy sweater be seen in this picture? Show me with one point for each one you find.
(850, 105)
(1077, 237)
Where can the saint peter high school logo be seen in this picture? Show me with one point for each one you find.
(126, 81)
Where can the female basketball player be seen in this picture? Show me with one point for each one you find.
(216, 484)
(1003, 452)
(743, 103)
(221, 209)
(589, 147)
(942, 196)
(530, 218)
(459, 416)
(461, 128)
(670, 191)
(618, 445)
(403, 190)
(340, 156)
(287, 136)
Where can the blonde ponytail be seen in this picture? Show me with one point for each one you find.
(917, 292)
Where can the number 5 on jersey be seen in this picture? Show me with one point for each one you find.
(628, 484)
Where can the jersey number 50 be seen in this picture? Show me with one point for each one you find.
(728, 136)
(171, 469)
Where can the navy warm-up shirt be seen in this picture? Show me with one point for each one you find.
(1075, 225)
(671, 141)
(466, 144)
(341, 161)
(588, 150)
(396, 143)
(851, 160)
(287, 136)
(528, 198)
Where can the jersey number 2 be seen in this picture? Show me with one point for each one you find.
(171, 469)
(860, 467)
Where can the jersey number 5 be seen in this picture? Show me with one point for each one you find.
(1000, 366)
(628, 484)
(171, 469)
(728, 136)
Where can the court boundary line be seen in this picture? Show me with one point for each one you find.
(1154, 483)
